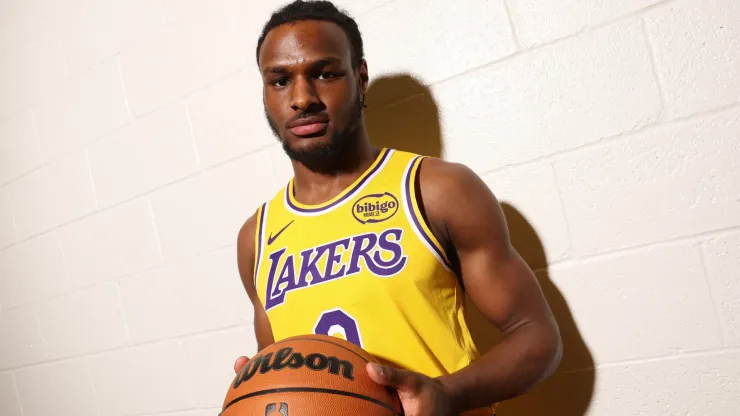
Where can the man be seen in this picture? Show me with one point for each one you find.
(378, 245)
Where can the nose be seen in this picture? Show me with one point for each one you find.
(303, 95)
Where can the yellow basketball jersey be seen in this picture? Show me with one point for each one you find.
(364, 266)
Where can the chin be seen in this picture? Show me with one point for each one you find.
(306, 143)
(318, 153)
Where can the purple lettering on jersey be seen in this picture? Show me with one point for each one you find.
(287, 275)
(309, 267)
(334, 259)
(360, 250)
(398, 261)
(339, 263)
(274, 261)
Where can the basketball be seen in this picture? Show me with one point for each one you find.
(309, 375)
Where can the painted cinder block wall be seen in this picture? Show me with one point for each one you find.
(133, 145)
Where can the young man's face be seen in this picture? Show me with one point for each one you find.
(312, 95)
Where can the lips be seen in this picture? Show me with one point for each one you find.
(308, 126)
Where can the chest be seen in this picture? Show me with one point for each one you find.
(328, 255)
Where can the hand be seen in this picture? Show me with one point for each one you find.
(240, 363)
(420, 395)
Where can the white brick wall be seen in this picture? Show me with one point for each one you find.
(722, 257)
(62, 387)
(697, 54)
(9, 403)
(133, 145)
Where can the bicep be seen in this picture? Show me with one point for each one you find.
(502, 287)
(497, 279)
(245, 262)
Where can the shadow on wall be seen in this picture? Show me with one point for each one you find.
(402, 114)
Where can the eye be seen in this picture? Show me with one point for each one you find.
(327, 75)
(280, 82)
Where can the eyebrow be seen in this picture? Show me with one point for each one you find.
(315, 65)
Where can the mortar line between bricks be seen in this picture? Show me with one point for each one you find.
(119, 296)
(648, 9)
(666, 242)
(65, 267)
(536, 47)
(37, 142)
(372, 9)
(92, 385)
(192, 137)
(512, 26)
(129, 113)
(652, 359)
(654, 68)
(70, 151)
(181, 99)
(36, 134)
(141, 195)
(707, 113)
(67, 74)
(42, 338)
(30, 105)
(96, 354)
(92, 180)
(609, 139)
(14, 221)
(156, 232)
(553, 155)
(8, 182)
(372, 110)
(119, 278)
(710, 287)
(80, 287)
(670, 357)
(558, 190)
(17, 393)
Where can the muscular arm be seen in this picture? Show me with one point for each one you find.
(464, 213)
(245, 262)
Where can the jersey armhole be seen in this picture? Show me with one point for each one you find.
(259, 239)
(416, 217)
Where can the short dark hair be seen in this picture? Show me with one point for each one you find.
(300, 10)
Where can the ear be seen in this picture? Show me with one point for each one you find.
(363, 77)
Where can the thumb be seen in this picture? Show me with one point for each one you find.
(392, 377)
(240, 363)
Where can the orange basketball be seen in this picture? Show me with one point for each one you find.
(309, 375)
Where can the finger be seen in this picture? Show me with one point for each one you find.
(392, 377)
(240, 363)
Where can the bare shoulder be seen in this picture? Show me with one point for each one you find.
(459, 204)
(449, 187)
(247, 230)
(439, 177)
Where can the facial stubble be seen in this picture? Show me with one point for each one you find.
(329, 155)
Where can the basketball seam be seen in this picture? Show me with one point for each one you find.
(307, 390)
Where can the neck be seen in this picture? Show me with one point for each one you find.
(312, 186)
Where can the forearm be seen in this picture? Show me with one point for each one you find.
(522, 359)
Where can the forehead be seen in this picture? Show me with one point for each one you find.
(304, 41)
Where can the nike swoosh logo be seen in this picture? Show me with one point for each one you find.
(271, 239)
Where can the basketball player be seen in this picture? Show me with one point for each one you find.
(378, 246)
